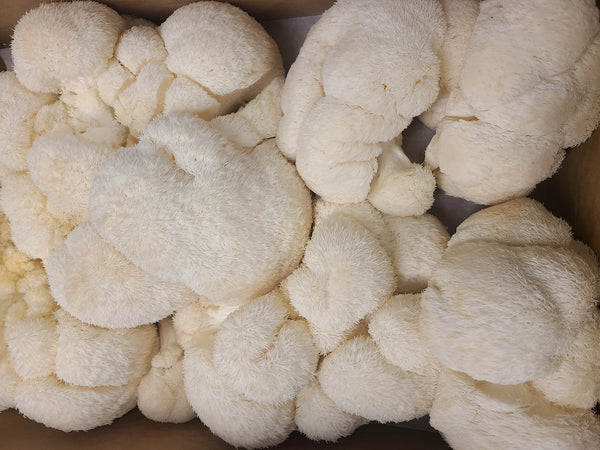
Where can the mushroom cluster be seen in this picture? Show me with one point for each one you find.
(188, 231)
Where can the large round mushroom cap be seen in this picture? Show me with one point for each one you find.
(57, 42)
(509, 296)
(220, 47)
(187, 205)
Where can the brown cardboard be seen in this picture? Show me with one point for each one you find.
(134, 431)
(574, 192)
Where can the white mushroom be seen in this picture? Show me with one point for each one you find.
(98, 285)
(576, 382)
(161, 395)
(473, 415)
(460, 18)
(505, 307)
(91, 356)
(199, 321)
(31, 340)
(72, 408)
(417, 245)
(20, 277)
(319, 418)
(337, 114)
(362, 382)
(401, 187)
(61, 166)
(229, 415)
(228, 222)
(528, 87)
(255, 121)
(35, 230)
(18, 108)
(262, 354)
(395, 329)
(221, 48)
(138, 46)
(56, 42)
(142, 100)
(345, 274)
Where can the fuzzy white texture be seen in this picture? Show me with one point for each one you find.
(186, 72)
(255, 121)
(418, 244)
(16, 268)
(30, 327)
(41, 343)
(51, 117)
(35, 230)
(94, 282)
(504, 309)
(73, 408)
(20, 278)
(44, 340)
(161, 395)
(231, 416)
(113, 81)
(31, 341)
(102, 98)
(92, 356)
(327, 339)
(221, 48)
(345, 275)
(576, 382)
(473, 415)
(88, 114)
(519, 222)
(460, 19)
(143, 99)
(395, 329)
(415, 244)
(368, 31)
(13, 266)
(67, 140)
(18, 108)
(138, 46)
(318, 417)
(72, 136)
(527, 88)
(400, 187)
(57, 42)
(485, 164)
(61, 165)
(263, 112)
(187, 205)
(363, 213)
(186, 96)
(261, 354)
(199, 321)
(362, 382)
(27, 316)
(337, 114)
(45, 343)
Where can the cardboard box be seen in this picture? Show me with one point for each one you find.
(573, 193)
